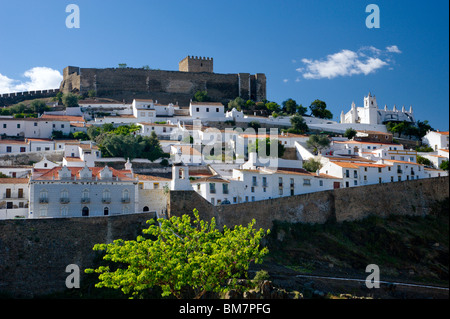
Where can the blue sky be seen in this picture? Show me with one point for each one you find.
(307, 49)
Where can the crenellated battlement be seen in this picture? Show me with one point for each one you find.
(196, 64)
(16, 97)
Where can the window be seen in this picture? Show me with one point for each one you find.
(43, 211)
(155, 185)
(212, 188)
(292, 182)
(125, 209)
(23, 149)
(355, 183)
(253, 198)
(365, 177)
(64, 196)
(106, 196)
(8, 149)
(307, 182)
(254, 183)
(85, 211)
(43, 196)
(4, 126)
(379, 180)
(207, 109)
(379, 169)
(20, 193)
(246, 198)
(402, 158)
(347, 173)
(64, 210)
(320, 183)
(253, 189)
(35, 123)
(8, 193)
(392, 178)
(365, 169)
(355, 174)
(85, 196)
(125, 196)
(62, 125)
(225, 188)
(217, 109)
(264, 181)
(197, 109)
(280, 181)
(106, 211)
(18, 125)
(212, 200)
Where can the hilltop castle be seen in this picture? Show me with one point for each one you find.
(194, 74)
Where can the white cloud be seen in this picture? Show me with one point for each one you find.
(393, 49)
(285, 80)
(365, 61)
(39, 78)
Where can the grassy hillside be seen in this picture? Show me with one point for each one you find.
(406, 249)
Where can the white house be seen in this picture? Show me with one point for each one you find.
(14, 146)
(206, 110)
(33, 127)
(14, 197)
(436, 140)
(249, 185)
(163, 131)
(82, 192)
(78, 154)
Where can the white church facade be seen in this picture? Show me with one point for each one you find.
(371, 114)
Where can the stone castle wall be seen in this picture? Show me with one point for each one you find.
(400, 198)
(164, 86)
(17, 97)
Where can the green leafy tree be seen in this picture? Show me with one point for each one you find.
(312, 165)
(350, 133)
(238, 103)
(298, 124)
(319, 109)
(289, 106)
(318, 142)
(38, 106)
(185, 259)
(273, 107)
(444, 165)
(70, 100)
(201, 96)
(423, 161)
(423, 128)
(122, 65)
(255, 147)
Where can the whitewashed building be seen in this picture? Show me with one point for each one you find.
(371, 114)
(436, 140)
(82, 192)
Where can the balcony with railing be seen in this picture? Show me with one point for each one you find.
(64, 200)
(43, 200)
(85, 200)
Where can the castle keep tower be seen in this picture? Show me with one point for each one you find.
(196, 64)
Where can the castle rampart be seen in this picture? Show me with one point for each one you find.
(195, 74)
